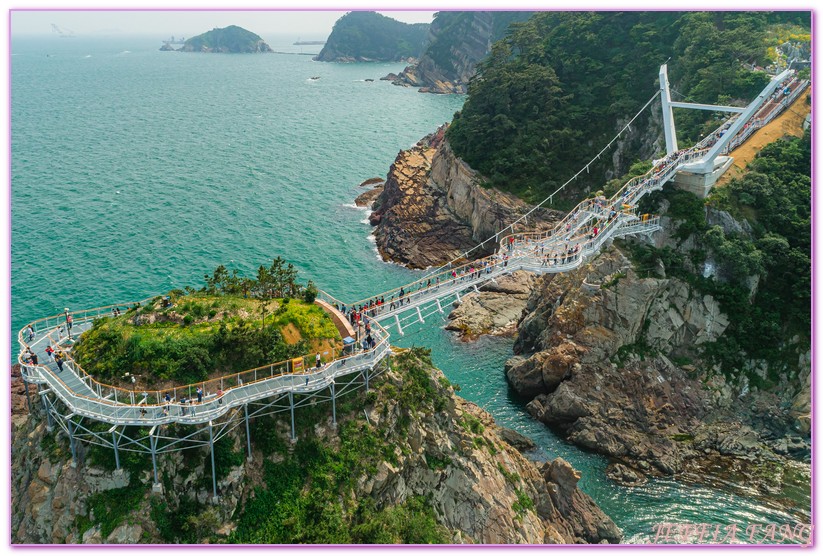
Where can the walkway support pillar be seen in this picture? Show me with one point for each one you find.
(47, 407)
(113, 432)
(214, 499)
(291, 409)
(397, 320)
(248, 436)
(333, 405)
(439, 307)
(157, 486)
(71, 440)
(366, 377)
(419, 316)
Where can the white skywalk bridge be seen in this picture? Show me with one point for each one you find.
(230, 401)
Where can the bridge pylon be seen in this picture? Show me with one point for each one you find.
(700, 175)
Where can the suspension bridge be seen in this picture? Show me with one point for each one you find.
(141, 420)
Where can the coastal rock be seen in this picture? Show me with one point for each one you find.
(514, 438)
(495, 309)
(367, 198)
(469, 470)
(433, 207)
(596, 347)
(625, 476)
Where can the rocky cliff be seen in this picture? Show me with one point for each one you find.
(433, 208)
(457, 41)
(610, 360)
(417, 443)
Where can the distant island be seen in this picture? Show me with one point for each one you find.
(231, 39)
(371, 37)
(303, 43)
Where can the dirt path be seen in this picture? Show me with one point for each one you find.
(789, 122)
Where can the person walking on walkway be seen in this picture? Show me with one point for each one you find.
(30, 333)
(59, 360)
(317, 362)
(50, 352)
(199, 395)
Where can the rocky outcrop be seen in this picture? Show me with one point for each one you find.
(496, 309)
(434, 208)
(444, 449)
(503, 497)
(595, 359)
(457, 42)
(368, 197)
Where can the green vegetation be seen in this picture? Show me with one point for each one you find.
(307, 496)
(185, 524)
(774, 197)
(110, 507)
(232, 324)
(231, 39)
(523, 504)
(373, 37)
(555, 89)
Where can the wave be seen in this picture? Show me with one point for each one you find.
(354, 206)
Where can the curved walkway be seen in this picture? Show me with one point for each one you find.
(579, 236)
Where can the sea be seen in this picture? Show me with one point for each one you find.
(136, 171)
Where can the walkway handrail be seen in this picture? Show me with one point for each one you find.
(155, 397)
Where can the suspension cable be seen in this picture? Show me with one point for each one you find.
(549, 199)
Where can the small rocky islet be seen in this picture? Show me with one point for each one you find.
(225, 40)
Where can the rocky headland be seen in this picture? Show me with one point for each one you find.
(607, 358)
(418, 443)
(363, 36)
(433, 208)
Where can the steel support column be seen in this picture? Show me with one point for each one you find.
(213, 472)
(291, 409)
(71, 440)
(47, 407)
(153, 446)
(333, 405)
(248, 435)
(113, 432)
(397, 320)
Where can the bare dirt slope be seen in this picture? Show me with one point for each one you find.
(789, 122)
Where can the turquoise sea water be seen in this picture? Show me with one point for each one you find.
(135, 171)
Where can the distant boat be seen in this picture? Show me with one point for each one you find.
(315, 78)
(369, 80)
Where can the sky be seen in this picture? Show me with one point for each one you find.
(309, 25)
